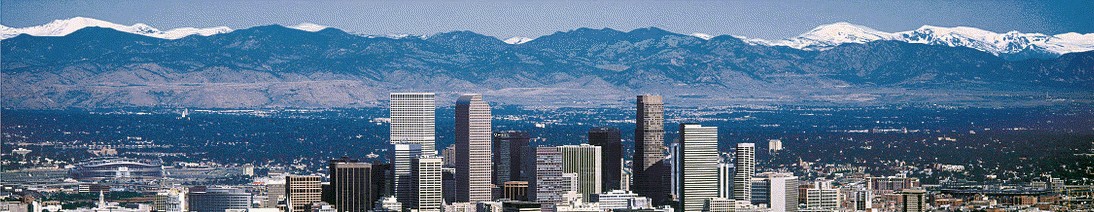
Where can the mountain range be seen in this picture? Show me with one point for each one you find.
(1012, 45)
(316, 66)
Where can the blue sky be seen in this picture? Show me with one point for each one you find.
(507, 18)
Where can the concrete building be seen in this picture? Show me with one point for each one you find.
(621, 199)
(746, 166)
(822, 197)
(351, 182)
(914, 200)
(585, 161)
(427, 172)
(217, 199)
(548, 186)
(863, 200)
(515, 190)
(388, 204)
(725, 180)
(610, 141)
(413, 120)
(404, 156)
(698, 157)
(721, 205)
(172, 200)
(301, 192)
(649, 141)
(779, 191)
(473, 141)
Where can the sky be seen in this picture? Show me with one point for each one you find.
(508, 18)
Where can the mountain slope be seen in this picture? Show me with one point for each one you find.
(68, 26)
(276, 66)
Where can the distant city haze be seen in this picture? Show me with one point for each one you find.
(511, 18)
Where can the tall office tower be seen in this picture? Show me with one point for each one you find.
(675, 173)
(725, 180)
(301, 192)
(448, 183)
(781, 191)
(351, 182)
(611, 156)
(218, 199)
(584, 160)
(760, 190)
(383, 181)
(649, 139)
(403, 165)
(449, 155)
(548, 186)
(473, 140)
(275, 192)
(428, 185)
(746, 165)
(915, 200)
(413, 120)
(698, 157)
(509, 149)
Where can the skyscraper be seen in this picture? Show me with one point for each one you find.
(473, 141)
(745, 164)
(351, 181)
(782, 192)
(510, 162)
(383, 181)
(301, 192)
(413, 120)
(585, 161)
(428, 185)
(611, 155)
(548, 186)
(404, 155)
(725, 180)
(698, 156)
(649, 139)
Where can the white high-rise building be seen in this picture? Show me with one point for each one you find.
(428, 183)
(782, 192)
(404, 168)
(725, 180)
(584, 160)
(473, 149)
(746, 165)
(413, 120)
(698, 157)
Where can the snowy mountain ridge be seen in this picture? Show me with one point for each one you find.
(67, 26)
(825, 37)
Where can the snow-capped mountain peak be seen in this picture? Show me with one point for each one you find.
(67, 26)
(825, 37)
(703, 36)
(517, 40)
(310, 27)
